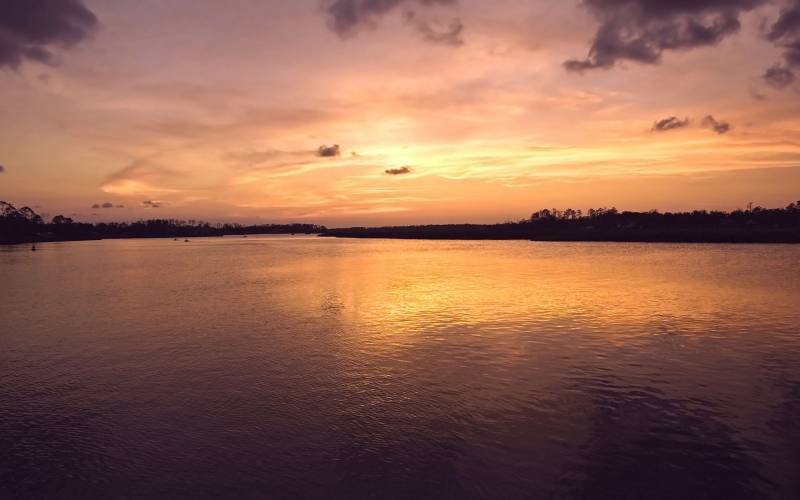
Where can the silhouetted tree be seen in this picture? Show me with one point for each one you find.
(60, 219)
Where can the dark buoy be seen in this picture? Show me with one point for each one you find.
(33, 248)
(186, 241)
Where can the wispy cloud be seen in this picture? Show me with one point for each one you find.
(438, 32)
(142, 177)
(719, 127)
(346, 17)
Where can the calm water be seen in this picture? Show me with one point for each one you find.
(314, 368)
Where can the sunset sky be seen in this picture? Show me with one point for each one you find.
(442, 110)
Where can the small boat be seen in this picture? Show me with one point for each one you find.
(186, 241)
(33, 248)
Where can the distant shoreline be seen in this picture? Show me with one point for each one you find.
(24, 225)
(181, 238)
(740, 239)
(486, 233)
(753, 225)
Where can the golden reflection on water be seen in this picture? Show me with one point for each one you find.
(541, 367)
(403, 288)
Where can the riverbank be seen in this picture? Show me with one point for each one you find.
(576, 233)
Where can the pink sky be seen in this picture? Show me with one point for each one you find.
(217, 110)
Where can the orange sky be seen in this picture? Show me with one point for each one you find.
(217, 110)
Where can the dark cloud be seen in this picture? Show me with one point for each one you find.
(329, 151)
(346, 17)
(670, 123)
(107, 205)
(152, 204)
(399, 171)
(30, 29)
(785, 33)
(779, 76)
(719, 127)
(640, 30)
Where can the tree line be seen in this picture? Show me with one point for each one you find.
(753, 224)
(24, 225)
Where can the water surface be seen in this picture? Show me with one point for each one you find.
(314, 368)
